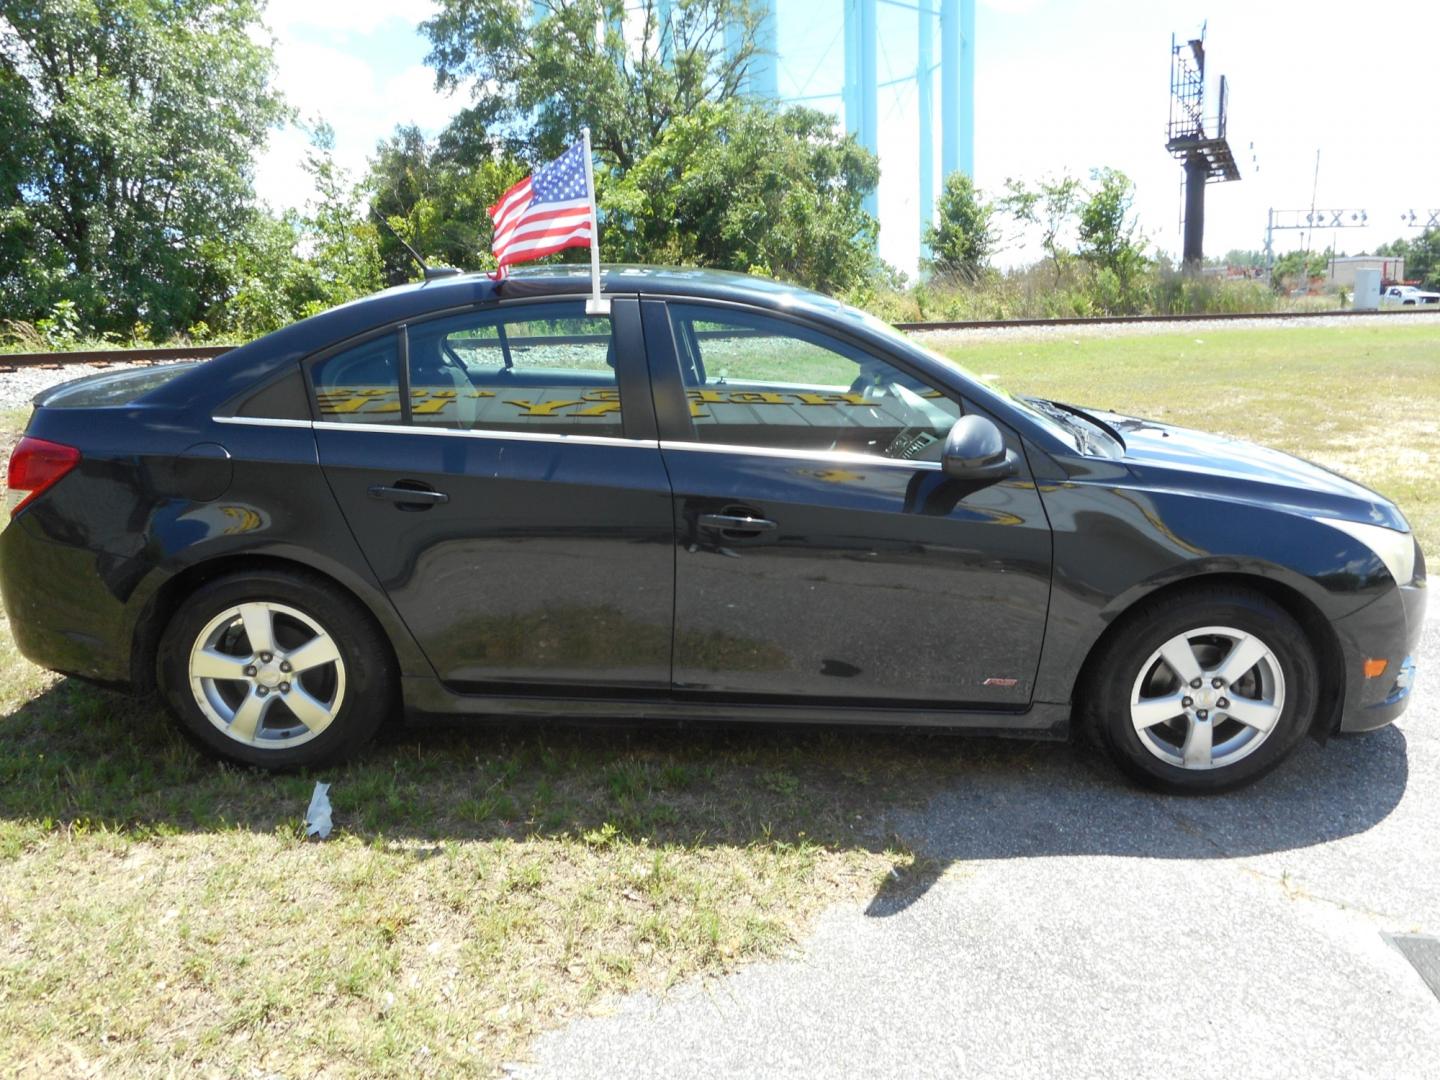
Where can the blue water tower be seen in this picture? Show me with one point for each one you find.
(891, 73)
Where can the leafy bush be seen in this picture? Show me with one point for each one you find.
(1175, 294)
(1076, 291)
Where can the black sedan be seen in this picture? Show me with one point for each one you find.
(722, 498)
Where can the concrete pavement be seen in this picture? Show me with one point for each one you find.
(1086, 929)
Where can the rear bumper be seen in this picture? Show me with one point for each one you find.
(1388, 629)
(65, 607)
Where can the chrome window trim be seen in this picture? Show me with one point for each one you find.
(262, 421)
(487, 433)
(838, 457)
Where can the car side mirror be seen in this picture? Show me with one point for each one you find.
(975, 450)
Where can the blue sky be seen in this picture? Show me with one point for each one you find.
(1060, 84)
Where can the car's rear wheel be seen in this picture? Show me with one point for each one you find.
(274, 668)
(1204, 690)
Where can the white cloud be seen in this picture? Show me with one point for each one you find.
(1059, 86)
(1073, 87)
(345, 64)
(351, 16)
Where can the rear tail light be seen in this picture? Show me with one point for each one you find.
(35, 467)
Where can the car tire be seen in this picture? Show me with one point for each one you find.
(312, 694)
(1233, 719)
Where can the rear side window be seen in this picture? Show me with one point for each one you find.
(539, 368)
(543, 368)
(753, 380)
(360, 385)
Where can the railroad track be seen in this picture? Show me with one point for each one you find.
(172, 353)
(106, 357)
(1257, 316)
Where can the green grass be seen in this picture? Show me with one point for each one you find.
(1363, 400)
(161, 914)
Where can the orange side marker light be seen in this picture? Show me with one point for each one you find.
(1375, 668)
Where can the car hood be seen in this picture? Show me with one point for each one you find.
(1162, 455)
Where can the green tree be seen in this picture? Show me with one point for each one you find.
(262, 281)
(1287, 267)
(1050, 208)
(1244, 259)
(964, 239)
(1421, 255)
(620, 68)
(278, 269)
(129, 129)
(1109, 237)
(437, 204)
(738, 185)
(342, 240)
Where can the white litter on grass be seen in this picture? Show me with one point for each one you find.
(317, 818)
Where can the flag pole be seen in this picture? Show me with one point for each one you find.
(597, 304)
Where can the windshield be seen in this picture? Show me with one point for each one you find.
(1063, 424)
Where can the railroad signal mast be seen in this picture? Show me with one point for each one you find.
(1309, 221)
(1197, 141)
(1410, 219)
(1314, 220)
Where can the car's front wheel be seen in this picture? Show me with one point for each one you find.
(1204, 690)
(274, 668)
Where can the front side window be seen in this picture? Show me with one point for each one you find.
(753, 380)
(541, 368)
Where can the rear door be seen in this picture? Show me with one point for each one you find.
(822, 552)
(500, 470)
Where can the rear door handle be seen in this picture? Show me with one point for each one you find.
(417, 498)
(735, 523)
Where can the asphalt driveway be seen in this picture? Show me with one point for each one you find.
(1080, 928)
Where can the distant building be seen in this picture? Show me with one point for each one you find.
(1342, 269)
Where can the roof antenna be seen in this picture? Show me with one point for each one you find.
(431, 273)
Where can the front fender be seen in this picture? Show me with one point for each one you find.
(1117, 544)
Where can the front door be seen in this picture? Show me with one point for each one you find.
(821, 550)
(500, 471)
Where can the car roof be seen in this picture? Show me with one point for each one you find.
(234, 371)
(242, 370)
(620, 278)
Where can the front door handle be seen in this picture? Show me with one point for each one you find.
(736, 523)
(408, 497)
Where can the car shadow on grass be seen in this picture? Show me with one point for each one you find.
(78, 757)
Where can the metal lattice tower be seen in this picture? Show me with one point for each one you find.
(1197, 141)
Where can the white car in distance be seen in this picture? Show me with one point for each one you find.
(1409, 295)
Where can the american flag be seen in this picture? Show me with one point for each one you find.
(545, 212)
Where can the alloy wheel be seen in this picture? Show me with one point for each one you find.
(1208, 697)
(267, 675)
